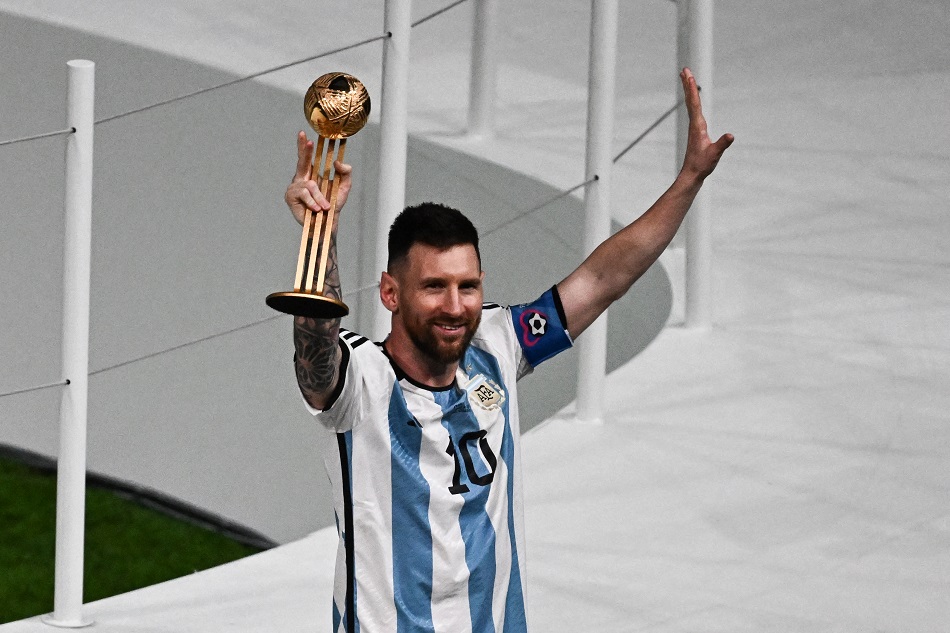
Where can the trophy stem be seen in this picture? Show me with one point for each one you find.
(325, 251)
(304, 240)
(308, 224)
(322, 227)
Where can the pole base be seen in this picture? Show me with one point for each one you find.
(309, 305)
(52, 620)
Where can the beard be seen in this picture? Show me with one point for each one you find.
(425, 338)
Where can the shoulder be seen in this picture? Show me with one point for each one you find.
(495, 325)
(351, 340)
(364, 370)
(363, 360)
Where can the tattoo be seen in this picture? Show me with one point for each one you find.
(315, 340)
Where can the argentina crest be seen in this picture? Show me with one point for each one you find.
(484, 393)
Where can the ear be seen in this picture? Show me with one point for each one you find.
(389, 291)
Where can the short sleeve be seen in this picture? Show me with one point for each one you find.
(345, 402)
(541, 327)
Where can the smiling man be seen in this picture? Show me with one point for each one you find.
(426, 466)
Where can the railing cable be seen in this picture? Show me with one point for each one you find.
(188, 344)
(652, 127)
(38, 136)
(61, 383)
(437, 13)
(538, 207)
(243, 79)
(238, 80)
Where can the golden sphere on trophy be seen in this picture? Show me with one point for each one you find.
(337, 105)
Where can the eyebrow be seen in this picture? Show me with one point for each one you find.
(467, 280)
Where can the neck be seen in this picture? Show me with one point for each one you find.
(418, 365)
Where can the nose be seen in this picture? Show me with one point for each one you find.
(452, 306)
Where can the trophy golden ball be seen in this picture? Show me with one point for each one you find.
(337, 105)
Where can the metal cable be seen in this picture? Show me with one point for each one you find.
(375, 284)
(594, 178)
(232, 82)
(188, 344)
(437, 13)
(552, 200)
(243, 79)
(71, 130)
(61, 383)
(647, 131)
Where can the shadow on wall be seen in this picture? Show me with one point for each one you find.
(189, 236)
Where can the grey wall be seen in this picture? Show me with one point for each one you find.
(189, 235)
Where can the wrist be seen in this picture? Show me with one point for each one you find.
(689, 179)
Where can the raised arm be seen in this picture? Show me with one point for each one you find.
(607, 274)
(316, 340)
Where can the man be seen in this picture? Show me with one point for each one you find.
(426, 466)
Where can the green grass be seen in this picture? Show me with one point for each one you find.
(127, 546)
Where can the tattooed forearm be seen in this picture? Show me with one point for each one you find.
(315, 340)
(317, 355)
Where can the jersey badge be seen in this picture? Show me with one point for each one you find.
(484, 393)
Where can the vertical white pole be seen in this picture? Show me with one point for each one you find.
(592, 369)
(695, 50)
(393, 136)
(482, 87)
(71, 471)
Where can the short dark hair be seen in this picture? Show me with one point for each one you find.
(432, 224)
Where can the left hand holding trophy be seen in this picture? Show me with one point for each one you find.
(337, 106)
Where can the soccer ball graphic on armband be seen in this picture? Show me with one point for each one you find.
(538, 324)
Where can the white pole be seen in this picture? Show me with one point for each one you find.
(592, 368)
(482, 87)
(71, 470)
(393, 137)
(695, 50)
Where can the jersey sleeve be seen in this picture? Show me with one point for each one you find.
(541, 327)
(345, 401)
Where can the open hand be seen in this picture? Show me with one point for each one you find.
(702, 155)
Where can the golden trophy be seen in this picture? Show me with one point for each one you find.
(337, 107)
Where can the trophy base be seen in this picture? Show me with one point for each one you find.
(307, 305)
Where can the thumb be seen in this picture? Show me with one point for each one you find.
(724, 142)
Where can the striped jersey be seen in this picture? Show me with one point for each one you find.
(426, 481)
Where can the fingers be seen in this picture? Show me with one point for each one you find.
(303, 192)
(309, 195)
(724, 142)
(690, 91)
(343, 169)
(304, 157)
(694, 106)
(702, 155)
(343, 174)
